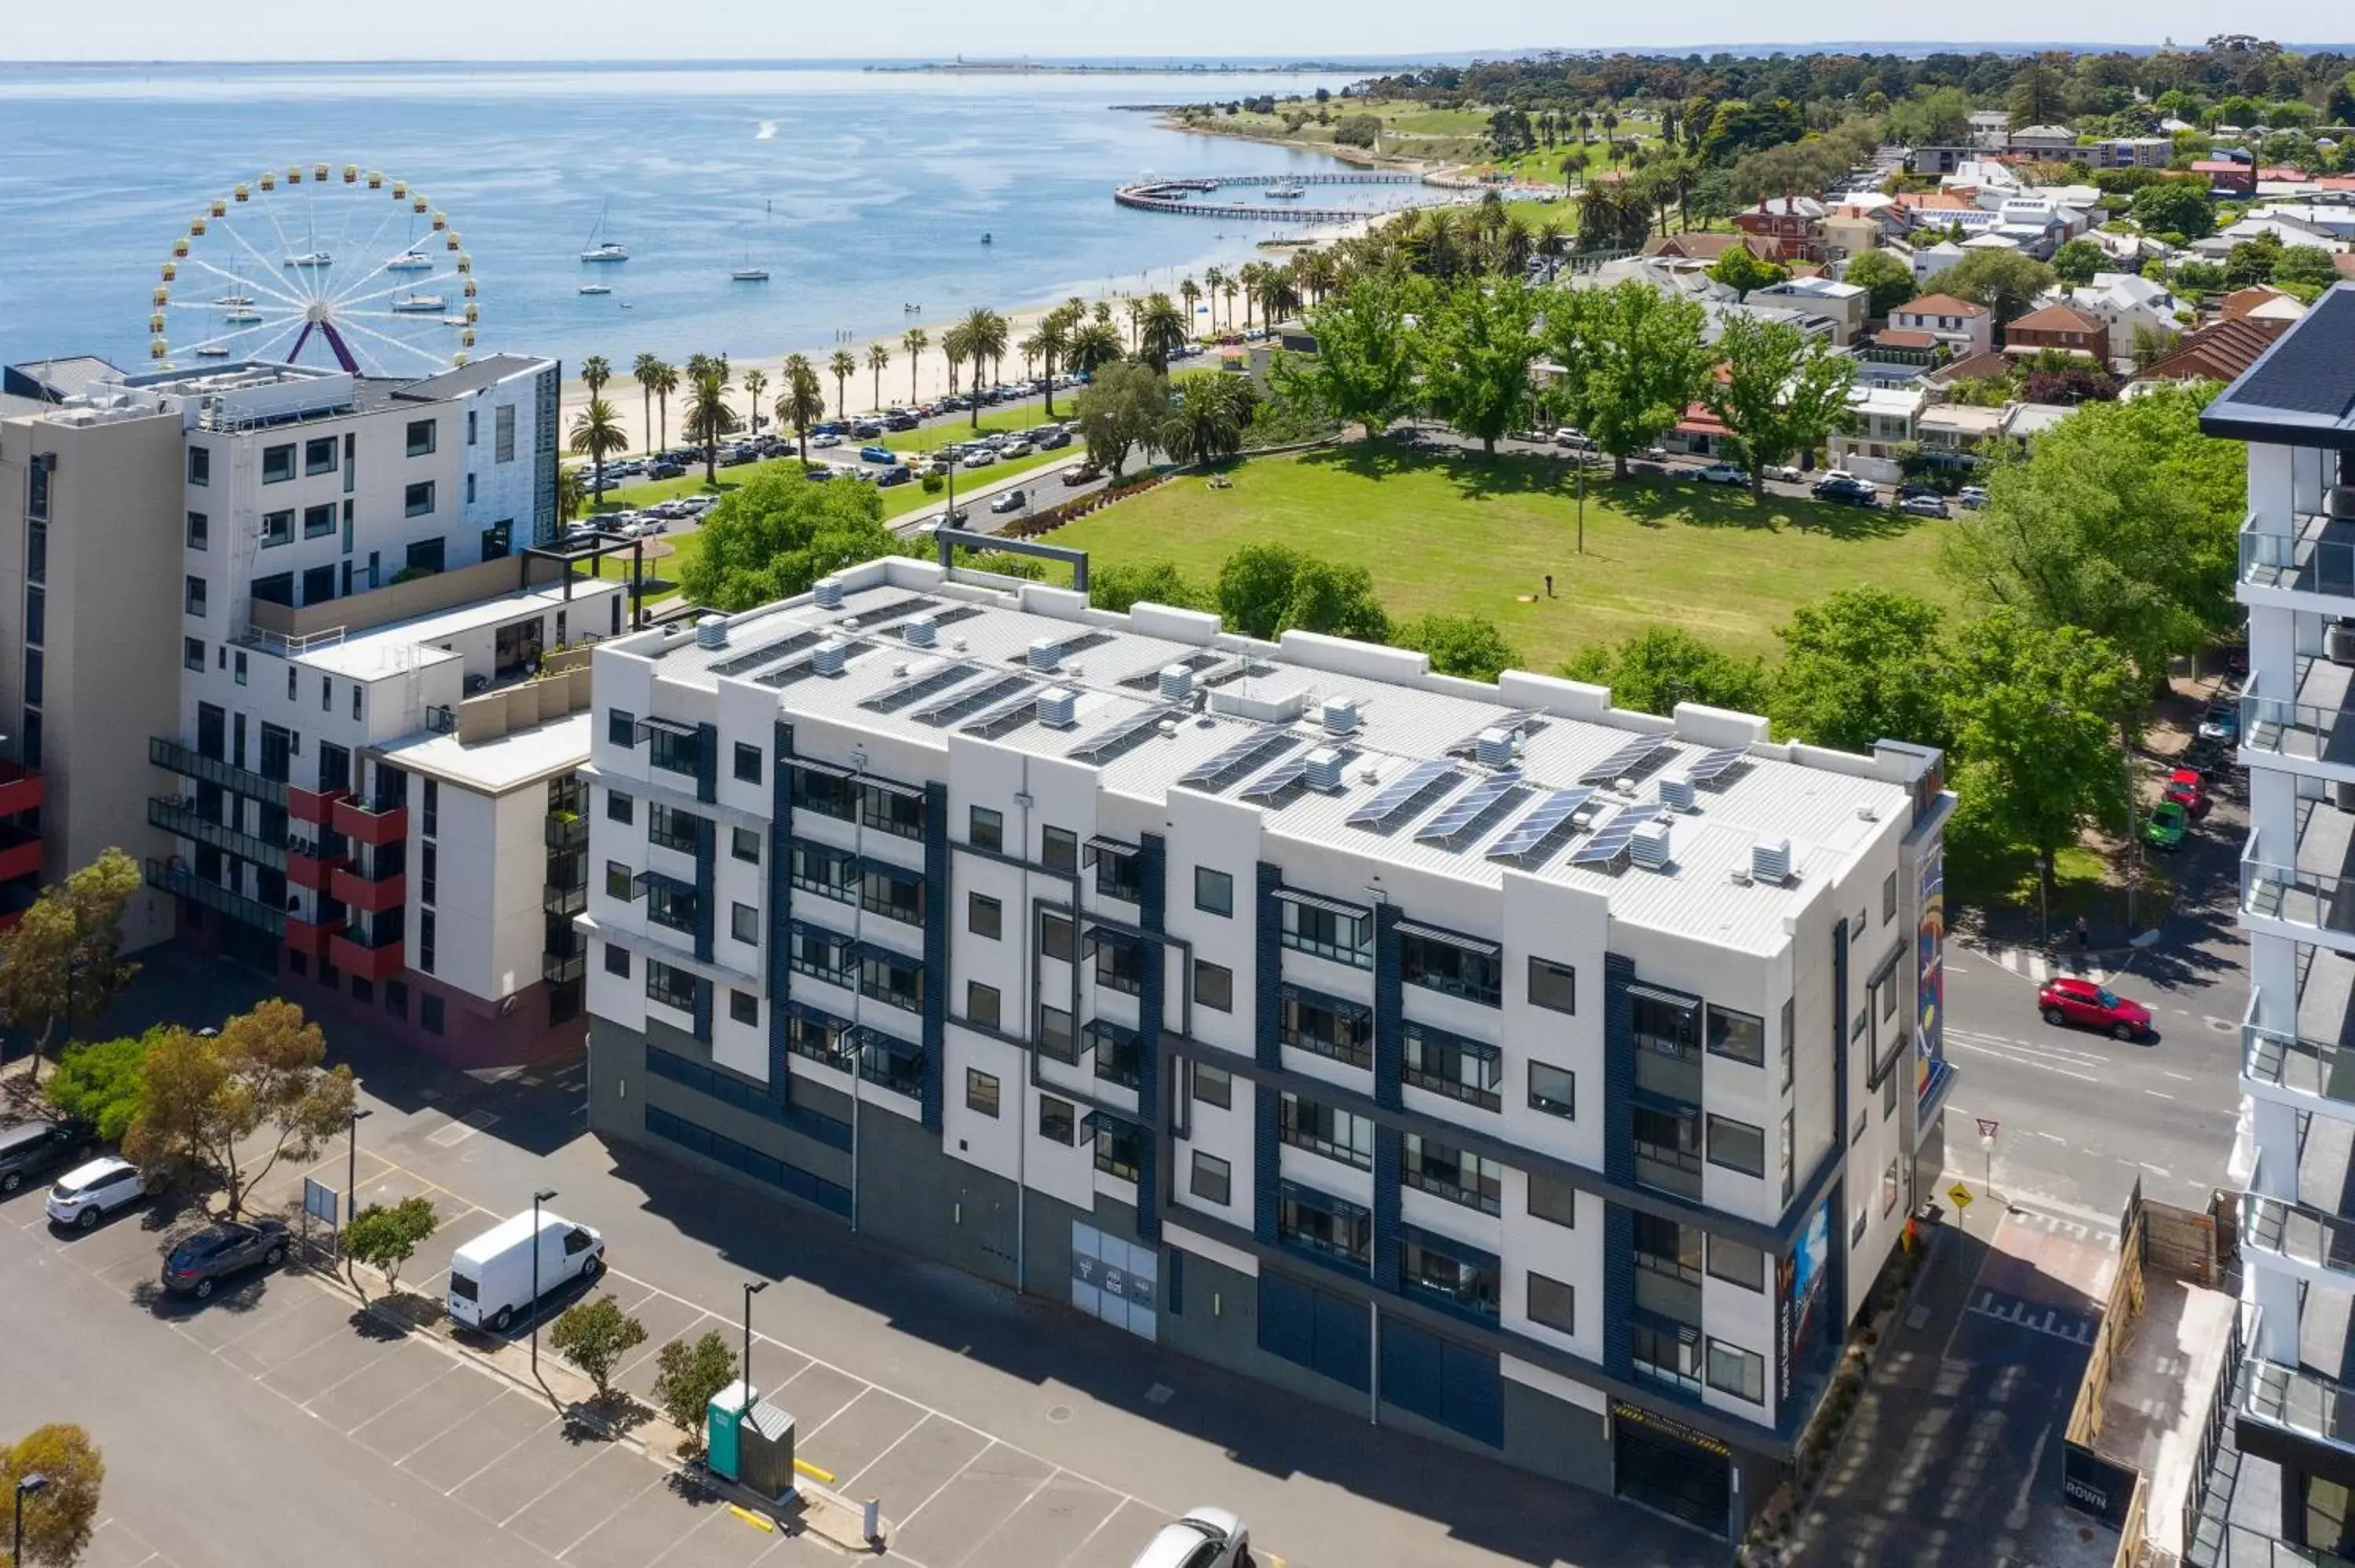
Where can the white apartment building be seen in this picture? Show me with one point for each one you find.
(1550, 1079)
(2295, 407)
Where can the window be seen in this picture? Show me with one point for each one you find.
(1737, 1263)
(1055, 937)
(827, 794)
(980, 1092)
(1328, 1026)
(1057, 1121)
(981, 1005)
(193, 599)
(1344, 935)
(1466, 1279)
(200, 465)
(1212, 1180)
(617, 960)
(743, 1007)
(1667, 1025)
(1786, 1154)
(1059, 848)
(429, 867)
(983, 916)
(417, 501)
(395, 998)
(1737, 1145)
(671, 987)
(1863, 1120)
(425, 941)
(1889, 1097)
(1333, 1226)
(1665, 1247)
(1452, 1174)
(1214, 985)
(669, 828)
(1889, 898)
(1790, 1045)
(278, 463)
(488, 554)
(1467, 1070)
(617, 881)
(1553, 1090)
(1056, 1035)
(1552, 1305)
(318, 521)
(619, 808)
(1214, 1086)
(985, 830)
(200, 530)
(1553, 985)
(621, 729)
(1737, 1035)
(1119, 1148)
(748, 763)
(470, 427)
(1452, 969)
(503, 433)
(1667, 1148)
(820, 869)
(430, 1013)
(1214, 891)
(1669, 1352)
(192, 653)
(744, 844)
(1856, 1230)
(1889, 1189)
(319, 455)
(1321, 1129)
(420, 438)
(889, 977)
(744, 922)
(277, 528)
(1117, 875)
(1737, 1371)
(1552, 1199)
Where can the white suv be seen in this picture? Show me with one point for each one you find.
(88, 1193)
(1205, 1538)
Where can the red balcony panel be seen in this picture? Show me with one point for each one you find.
(302, 937)
(21, 789)
(311, 870)
(372, 963)
(357, 821)
(312, 805)
(20, 855)
(386, 893)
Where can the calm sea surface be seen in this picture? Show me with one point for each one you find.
(862, 192)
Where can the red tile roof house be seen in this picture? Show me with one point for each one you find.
(2225, 175)
(1963, 327)
(2059, 327)
(1793, 225)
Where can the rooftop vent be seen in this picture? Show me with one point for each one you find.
(956, 644)
(1059, 707)
(921, 633)
(1175, 682)
(829, 656)
(1340, 716)
(1770, 861)
(711, 631)
(1649, 845)
(1046, 652)
(828, 592)
(1677, 794)
(1321, 769)
(1494, 746)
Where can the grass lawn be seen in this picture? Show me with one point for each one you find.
(1457, 534)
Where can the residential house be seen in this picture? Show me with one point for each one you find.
(2023, 422)
(1703, 247)
(2043, 141)
(1850, 231)
(1963, 327)
(2227, 176)
(2260, 301)
(1957, 430)
(1881, 420)
(2219, 351)
(2126, 303)
(2062, 328)
(1929, 260)
(1793, 225)
(2129, 153)
(1844, 304)
(1978, 367)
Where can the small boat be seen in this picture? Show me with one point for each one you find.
(419, 305)
(212, 351)
(603, 250)
(984, 237)
(595, 289)
(410, 260)
(751, 274)
(241, 315)
(234, 300)
(1287, 190)
(312, 259)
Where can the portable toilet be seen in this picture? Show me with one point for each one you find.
(723, 1422)
(764, 1451)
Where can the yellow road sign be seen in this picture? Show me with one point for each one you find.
(1960, 1194)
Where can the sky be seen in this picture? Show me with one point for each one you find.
(935, 29)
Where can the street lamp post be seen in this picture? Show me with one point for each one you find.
(352, 1165)
(26, 1486)
(751, 1288)
(543, 1195)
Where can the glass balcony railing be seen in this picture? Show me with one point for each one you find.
(2298, 1233)
(2296, 897)
(2310, 1067)
(2304, 565)
(2301, 1401)
(182, 818)
(186, 884)
(186, 761)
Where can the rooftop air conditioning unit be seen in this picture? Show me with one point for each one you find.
(1059, 707)
(1321, 769)
(829, 656)
(921, 633)
(1677, 794)
(1046, 652)
(1176, 682)
(828, 592)
(1770, 861)
(1339, 715)
(1494, 746)
(1650, 845)
(711, 631)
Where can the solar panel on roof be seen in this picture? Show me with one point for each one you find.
(1275, 780)
(1008, 717)
(1611, 840)
(1243, 756)
(972, 700)
(1540, 823)
(1633, 754)
(1717, 762)
(766, 653)
(1471, 743)
(1099, 749)
(892, 698)
(1400, 792)
(1468, 808)
(1194, 663)
(806, 665)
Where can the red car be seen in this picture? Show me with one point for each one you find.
(2081, 1001)
(2185, 787)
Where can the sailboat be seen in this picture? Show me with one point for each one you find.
(603, 250)
(748, 272)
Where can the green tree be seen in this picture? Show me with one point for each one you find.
(646, 372)
(2174, 207)
(984, 333)
(1121, 586)
(597, 435)
(1887, 280)
(1861, 665)
(1661, 666)
(801, 400)
(2006, 282)
(2122, 520)
(1213, 411)
(2036, 96)
(2251, 262)
(1782, 392)
(1160, 332)
(101, 1082)
(594, 1336)
(1940, 117)
(1358, 130)
(59, 1518)
(595, 371)
(686, 1378)
(708, 417)
(1123, 408)
(1265, 591)
(842, 368)
(1094, 345)
(1477, 351)
(64, 961)
(1363, 371)
(2077, 260)
(2305, 267)
(879, 360)
(215, 1100)
(567, 494)
(665, 382)
(1741, 270)
(914, 341)
(1466, 645)
(386, 1238)
(773, 536)
(1633, 362)
(2035, 713)
(755, 382)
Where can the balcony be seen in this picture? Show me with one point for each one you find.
(310, 938)
(373, 896)
(21, 789)
(185, 884)
(563, 898)
(2314, 892)
(188, 763)
(375, 963)
(2301, 1402)
(309, 864)
(2319, 558)
(182, 818)
(314, 806)
(558, 969)
(563, 834)
(2299, 1235)
(20, 853)
(369, 824)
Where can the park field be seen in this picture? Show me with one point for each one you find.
(1452, 533)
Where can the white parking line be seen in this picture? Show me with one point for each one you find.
(944, 1485)
(587, 1459)
(501, 1455)
(2158, 1095)
(847, 1482)
(658, 1478)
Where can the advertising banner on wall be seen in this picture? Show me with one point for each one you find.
(1799, 1281)
(1930, 972)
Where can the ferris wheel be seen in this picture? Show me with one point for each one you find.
(355, 268)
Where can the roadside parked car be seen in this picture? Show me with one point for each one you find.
(2222, 722)
(1906, 491)
(2065, 999)
(898, 474)
(1203, 1538)
(1009, 500)
(980, 458)
(1972, 496)
(1845, 492)
(666, 469)
(1083, 473)
(2168, 824)
(1923, 505)
(878, 453)
(31, 1150)
(825, 439)
(88, 1193)
(1723, 473)
(203, 1260)
(2188, 789)
(1016, 449)
(1785, 472)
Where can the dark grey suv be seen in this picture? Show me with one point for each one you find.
(30, 1150)
(214, 1254)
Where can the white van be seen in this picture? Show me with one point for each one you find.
(491, 1276)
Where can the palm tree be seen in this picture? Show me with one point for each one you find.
(1160, 332)
(1215, 279)
(842, 368)
(645, 373)
(708, 417)
(1206, 426)
(665, 382)
(1094, 346)
(567, 494)
(956, 347)
(1277, 297)
(594, 373)
(1100, 310)
(1136, 320)
(879, 359)
(986, 333)
(915, 340)
(1192, 292)
(1586, 127)
(754, 384)
(597, 435)
(1228, 286)
(1250, 277)
(1611, 127)
(1029, 349)
(802, 401)
(1054, 340)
